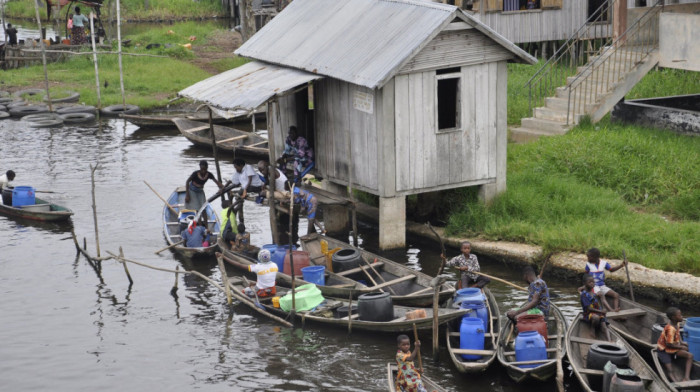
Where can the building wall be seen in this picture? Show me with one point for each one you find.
(678, 47)
(428, 160)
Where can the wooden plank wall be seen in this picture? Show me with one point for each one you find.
(426, 160)
(283, 117)
(335, 118)
(455, 48)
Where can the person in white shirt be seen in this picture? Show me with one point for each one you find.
(266, 272)
(245, 177)
(280, 178)
(5, 181)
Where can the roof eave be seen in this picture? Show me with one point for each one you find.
(521, 55)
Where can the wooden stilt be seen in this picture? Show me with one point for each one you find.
(271, 179)
(94, 209)
(43, 54)
(94, 60)
(119, 51)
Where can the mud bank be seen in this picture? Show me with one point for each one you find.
(674, 287)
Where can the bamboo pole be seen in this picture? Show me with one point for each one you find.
(499, 280)
(436, 300)
(560, 367)
(43, 56)
(119, 50)
(224, 278)
(271, 174)
(169, 246)
(94, 60)
(126, 269)
(353, 211)
(629, 281)
(99, 52)
(216, 150)
(161, 197)
(350, 314)
(173, 291)
(291, 246)
(415, 339)
(94, 208)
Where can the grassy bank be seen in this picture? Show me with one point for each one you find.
(149, 81)
(153, 10)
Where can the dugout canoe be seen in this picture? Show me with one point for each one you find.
(325, 314)
(678, 366)
(490, 343)
(409, 287)
(172, 227)
(546, 369)
(634, 322)
(227, 139)
(165, 120)
(42, 210)
(391, 372)
(579, 339)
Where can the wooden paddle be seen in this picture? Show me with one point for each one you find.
(442, 248)
(624, 260)
(161, 197)
(169, 246)
(415, 335)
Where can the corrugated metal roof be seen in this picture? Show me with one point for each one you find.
(358, 41)
(246, 87)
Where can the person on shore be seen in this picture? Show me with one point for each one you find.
(670, 346)
(194, 186)
(596, 267)
(593, 312)
(407, 377)
(266, 174)
(467, 263)
(77, 34)
(297, 148)
(228, 223)
(538, 296)
(195, 234)
(6, 179)
(266, 272)
(11, 34)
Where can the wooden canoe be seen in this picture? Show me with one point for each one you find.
(165, 120)
(490, 342)
(678, 366)
(636, 324)
(412, 287)
(336, 285)
(556, 329)
(172, 226)
(227, 139)
(41, 211)
(391, 372)
(324, 315)
(579, 339)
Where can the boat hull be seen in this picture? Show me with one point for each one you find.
(172, 227)
(57, 213)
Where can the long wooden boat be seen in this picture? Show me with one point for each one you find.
(325, 315)
(165, 120)
(172, 226)
(556, 328)
(579, 339)
(41, 211)
(490, 343)
(678, 366)
(407, 286)
(634, 322)
(391, 372)
(227, 139)
(336, 285)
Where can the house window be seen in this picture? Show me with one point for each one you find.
(448, 99)
(521, 5)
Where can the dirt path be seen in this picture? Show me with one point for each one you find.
(217, 47)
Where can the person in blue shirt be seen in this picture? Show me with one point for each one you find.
(195, 234)
(593, 312)
(538, 295)
(309, 205)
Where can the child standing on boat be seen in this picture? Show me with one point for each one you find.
(596, 268)
(671, 346)
(407, 378)
(266, 271)
(593, 312)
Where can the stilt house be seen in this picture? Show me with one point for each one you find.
(397, 97)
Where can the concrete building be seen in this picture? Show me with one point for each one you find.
(398, 97)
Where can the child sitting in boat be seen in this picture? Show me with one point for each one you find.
(242, 241)
(671, 346)
(593, 312)
(266, 271)
(195, 234)
(596, 268)
(407, 378)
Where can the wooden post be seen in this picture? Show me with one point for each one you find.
(94, 208)
(224, 278)
(271, 179)
(216, 151)
(173, 291)
(97, 74)
(119, 50)
(126, 269)
(43, 56)
(350, 313)
(619, 19)
(415, 339)
(291, 246)
(436, 300)
(353, 211)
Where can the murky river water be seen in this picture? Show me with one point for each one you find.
(64, 327)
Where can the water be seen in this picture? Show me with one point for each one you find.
(66, 327)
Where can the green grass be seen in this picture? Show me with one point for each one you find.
(132, 9)
(611, 186)
(228, 63)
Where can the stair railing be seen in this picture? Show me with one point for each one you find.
(608, 67)
(596, 32)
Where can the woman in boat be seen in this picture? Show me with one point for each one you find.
(593, 312)
(670, 345)
(78, 31)
(467, 263)
(407, 378)
(194, 187)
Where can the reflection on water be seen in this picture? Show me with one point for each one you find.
(68, 325)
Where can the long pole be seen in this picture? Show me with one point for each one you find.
(271, 175)
(291, 245)
(415, 337)
(436, 300)
(216, 150)
(43, 59)
(94, 208)
(94, 60)
(119, 50)
(627, 271)
(353, 212)
(161, 197)
(499, 280)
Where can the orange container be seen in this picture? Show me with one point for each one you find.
(301, 260)
(276, 302)
(533, 322)
(416, 314)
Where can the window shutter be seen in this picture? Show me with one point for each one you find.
(551, 4)
(493, 5)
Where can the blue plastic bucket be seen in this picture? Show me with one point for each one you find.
(314, 274)
(23, 196)
(278, 255)
(530, 346)
(692, 327)
(476, 309)
(694, 345)
(471, 336)
(468, 294)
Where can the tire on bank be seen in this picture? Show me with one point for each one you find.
(48, 123)
(41, 116)
(77, 109)
(30, 91)
(4, 114)
(77, 118)
(72, 97)
(116, 110)
(21, 111)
